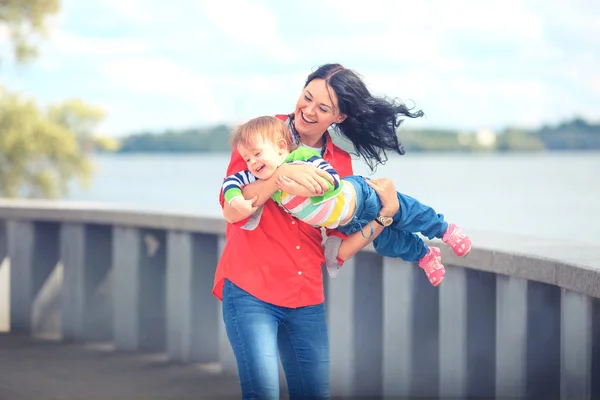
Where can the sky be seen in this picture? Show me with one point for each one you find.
(154, 65)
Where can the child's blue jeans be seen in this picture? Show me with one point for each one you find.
(399, 239)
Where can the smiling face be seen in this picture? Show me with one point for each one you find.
(263, 143)
(316, 109)
(262, 156)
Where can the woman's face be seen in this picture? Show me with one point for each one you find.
(316, 110)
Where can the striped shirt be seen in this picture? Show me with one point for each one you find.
(326, 210)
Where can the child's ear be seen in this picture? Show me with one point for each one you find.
(282, 145)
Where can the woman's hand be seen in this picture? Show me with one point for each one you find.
(307, 175)
(384, 187)
(289, 186)
(244, 207)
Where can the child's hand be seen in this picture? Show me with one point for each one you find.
(292, 187)
(243, 206)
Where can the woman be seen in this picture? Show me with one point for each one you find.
(270, 278)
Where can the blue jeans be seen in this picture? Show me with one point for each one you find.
(399, 239)
(259, 332)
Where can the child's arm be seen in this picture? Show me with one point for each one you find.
(232, 185)
(263, 189)
(232, 193)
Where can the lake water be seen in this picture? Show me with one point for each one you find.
(549, 195)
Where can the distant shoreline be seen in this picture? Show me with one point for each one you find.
(573, 135)
(390, 154)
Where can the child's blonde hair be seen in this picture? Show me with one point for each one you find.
(268, 128)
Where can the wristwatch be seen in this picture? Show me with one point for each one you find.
(383, 221)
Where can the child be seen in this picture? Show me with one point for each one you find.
(349, 204)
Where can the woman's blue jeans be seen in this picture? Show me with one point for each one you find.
(259, 332)
(399, 239)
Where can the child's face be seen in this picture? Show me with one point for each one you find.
(263, 157)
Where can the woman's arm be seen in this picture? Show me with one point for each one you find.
(294, 188)
(356, 241)
(389, 207)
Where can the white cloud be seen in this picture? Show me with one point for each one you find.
(152, 75)
(596, 84)
(465, 63)
(508, 19)
(137, 11)
(412, 84)
(250, 23)
(162, 77)
(7, 55)
(4, 33)
(418, 20)
(69, 43)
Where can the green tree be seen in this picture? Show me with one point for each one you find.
(39, 151)
(25, 20)
(80, 119)
(513, 139)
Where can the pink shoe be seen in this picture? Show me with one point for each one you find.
(432, 265)
(457, 240)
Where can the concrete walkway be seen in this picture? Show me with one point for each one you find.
(36, 369)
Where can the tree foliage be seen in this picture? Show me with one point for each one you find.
(41, 150)
(24, 21)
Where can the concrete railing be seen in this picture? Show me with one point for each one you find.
(516, 318)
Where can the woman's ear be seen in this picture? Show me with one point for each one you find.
(340, 119)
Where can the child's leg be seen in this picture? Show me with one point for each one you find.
(410, 247)
(415, 216)
(457, 240)
(394, 243)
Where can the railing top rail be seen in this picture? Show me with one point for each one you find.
(107, 214)
(570, 265)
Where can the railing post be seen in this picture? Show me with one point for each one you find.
(179, 295)
(511, 336)
(398, 293)
(139, 289)
(86, 257)
(411, 331)
(34, 254)
(481, 333)
(99, 282)
(206, 314)
(192, 310)
(453, 333)
(576, 345)
(543, 340)
(4, 279)
(22, 293)
(226, 356)
(72, 249)
(355, 313)
(126, 287)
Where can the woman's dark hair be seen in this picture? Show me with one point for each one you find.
(371, 122)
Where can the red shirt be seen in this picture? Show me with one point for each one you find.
(280, 261)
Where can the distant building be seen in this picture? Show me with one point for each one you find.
(485, 137)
